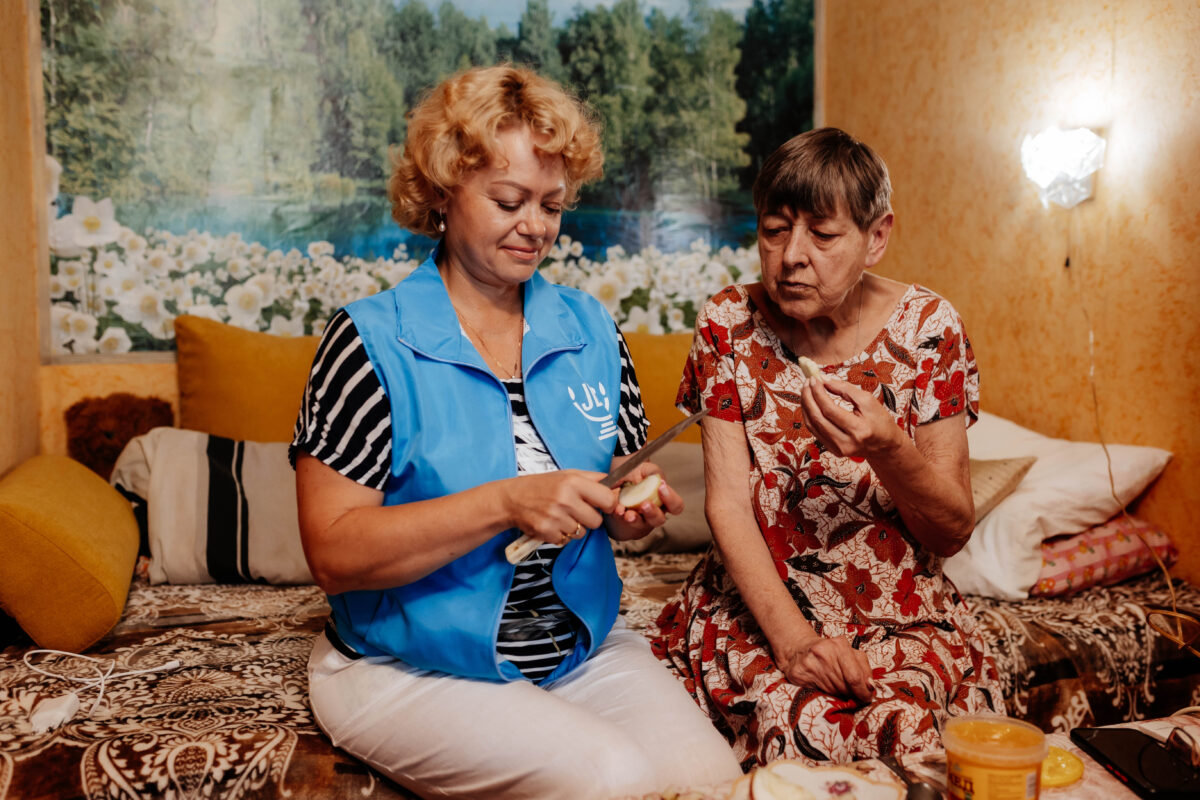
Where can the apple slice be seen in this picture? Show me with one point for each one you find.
(634, 494)
(810, 368)
(766, 785)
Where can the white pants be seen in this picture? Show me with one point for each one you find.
(620, 724)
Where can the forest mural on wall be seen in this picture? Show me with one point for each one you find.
(228, 158)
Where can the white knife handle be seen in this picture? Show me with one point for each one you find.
(521, 548)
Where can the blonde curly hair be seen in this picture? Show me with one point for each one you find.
(452, 131)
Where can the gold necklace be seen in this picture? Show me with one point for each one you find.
(862, 289)
(496, 363)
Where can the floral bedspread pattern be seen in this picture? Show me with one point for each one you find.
(837, 541)
(233, 722)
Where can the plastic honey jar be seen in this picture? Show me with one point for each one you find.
(990, 757)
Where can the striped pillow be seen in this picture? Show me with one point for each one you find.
(216, 510)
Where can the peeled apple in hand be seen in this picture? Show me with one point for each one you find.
(634, 494)
(809, 367)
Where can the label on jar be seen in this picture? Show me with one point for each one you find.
(970, 781)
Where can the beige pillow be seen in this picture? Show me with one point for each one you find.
(218, 510)
(682, 464)
(992, 480)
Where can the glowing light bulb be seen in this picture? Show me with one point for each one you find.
(1062, 164)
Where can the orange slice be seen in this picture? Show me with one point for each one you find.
(1061, 768)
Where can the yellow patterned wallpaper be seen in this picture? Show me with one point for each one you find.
(946, 91)
(65, 384)
(20, 129)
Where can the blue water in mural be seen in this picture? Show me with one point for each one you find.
(365, 228)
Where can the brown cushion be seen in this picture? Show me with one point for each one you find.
(993, 480)
(69, 542)
(658, 359)
(240, 384)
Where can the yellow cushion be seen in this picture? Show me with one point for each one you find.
(240, 384)
(70, 542)
(658, 359)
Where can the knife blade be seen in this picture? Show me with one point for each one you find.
(521, 547)
(614, 478)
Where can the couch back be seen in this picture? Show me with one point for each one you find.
(247, 385)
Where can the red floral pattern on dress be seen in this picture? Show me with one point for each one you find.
(838, 543)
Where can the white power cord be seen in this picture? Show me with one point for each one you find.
(52, 712)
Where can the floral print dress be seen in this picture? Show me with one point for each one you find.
(838, 543)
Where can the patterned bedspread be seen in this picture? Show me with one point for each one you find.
(233, 722)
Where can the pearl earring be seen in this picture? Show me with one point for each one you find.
(442, 225)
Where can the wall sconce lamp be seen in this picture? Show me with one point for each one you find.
(1062, 163)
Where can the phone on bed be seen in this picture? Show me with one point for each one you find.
(1146, 765)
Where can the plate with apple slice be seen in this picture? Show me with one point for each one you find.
(794, 780)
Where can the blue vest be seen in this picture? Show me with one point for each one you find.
(451, 431)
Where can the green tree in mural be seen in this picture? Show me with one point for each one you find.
(696, 108)
(100, 81)
(775, 76)
(361, 101)
(420, 48)
(537, 41)
(463, 41)
(606, 53)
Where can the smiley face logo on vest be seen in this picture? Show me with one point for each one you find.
(595, 408)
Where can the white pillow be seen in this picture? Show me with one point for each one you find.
(218, 510)
(1065, 491)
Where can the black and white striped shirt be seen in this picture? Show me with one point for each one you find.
(345, 422)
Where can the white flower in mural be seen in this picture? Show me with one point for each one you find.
(192, 253)
(205, 311)
(239, 268)
(309, 290)
(143, 306)
(114, 340)
(118, 283)
(159, 262)
(554, 271)
(162, 328)
(675, 319)
(642, 321)
(606, 289)
(60, 324)
(81, 329)
(318, 249)
(286, 326)
(360, 284)
(73, 281)
(62, 239)
(245, 304)
(106, 263)
(88, 225)
(137, 245)
(265, 283)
